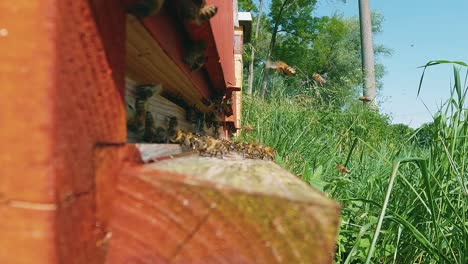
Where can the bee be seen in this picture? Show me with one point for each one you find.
(247, 128)
(251, 151)
(171, 122)
(213, 147)
(145, 91)
(197, 11)
(206, 102)
(240, 146)
(228, 145)
(138, 121)
(210, 120)
(216, 129)
(364, 99)
(179, 137)
(269, 153)
(194, 55)
(199, 123)
(281, 67)
(206, 13)
(224, 107)
(227, 108)
(161, 135)
(150, 130)
(342, 169)
(190, 141)
(145, 8)
(319, 79)
(171, 125)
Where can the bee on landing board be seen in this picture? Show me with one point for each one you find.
(209, 146)
(281, 67)
(197, 11)
(247, 128)
(269, 153)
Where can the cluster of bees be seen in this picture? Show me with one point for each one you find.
(195, 12)
(142, 122)
(209, 146)
(142, 116)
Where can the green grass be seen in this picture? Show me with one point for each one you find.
(406, 197)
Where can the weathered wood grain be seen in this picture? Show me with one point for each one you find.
(147, 62)
(209, 210)
(60, 97)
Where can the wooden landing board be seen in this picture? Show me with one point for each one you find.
(209, 210)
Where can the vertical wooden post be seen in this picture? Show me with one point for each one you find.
(61, 74)
(238, 64)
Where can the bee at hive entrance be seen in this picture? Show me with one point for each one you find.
(154, 117)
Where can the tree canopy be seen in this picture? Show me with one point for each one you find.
(329, 46)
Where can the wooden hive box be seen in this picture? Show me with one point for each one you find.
(72, 190)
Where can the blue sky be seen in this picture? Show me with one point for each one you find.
(437, 29)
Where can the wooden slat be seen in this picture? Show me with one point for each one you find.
(148, 62)
(209, 210)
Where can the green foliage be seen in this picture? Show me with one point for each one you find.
(326, 45)
(247, 5)
(406, 197)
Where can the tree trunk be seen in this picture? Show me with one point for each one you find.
(266, 71)
(367, 52)
(252, 56)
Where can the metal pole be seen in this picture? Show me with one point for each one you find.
(367, 52)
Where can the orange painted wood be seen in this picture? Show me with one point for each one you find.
(110, 20)
(207, 210)
(109, 160)
(60, 99)
(222, 26)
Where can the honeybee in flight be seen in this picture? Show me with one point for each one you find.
(247, 128)
(281, 67)
(364, 99)
(197, 11)
(342, 169)
(319, 79)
